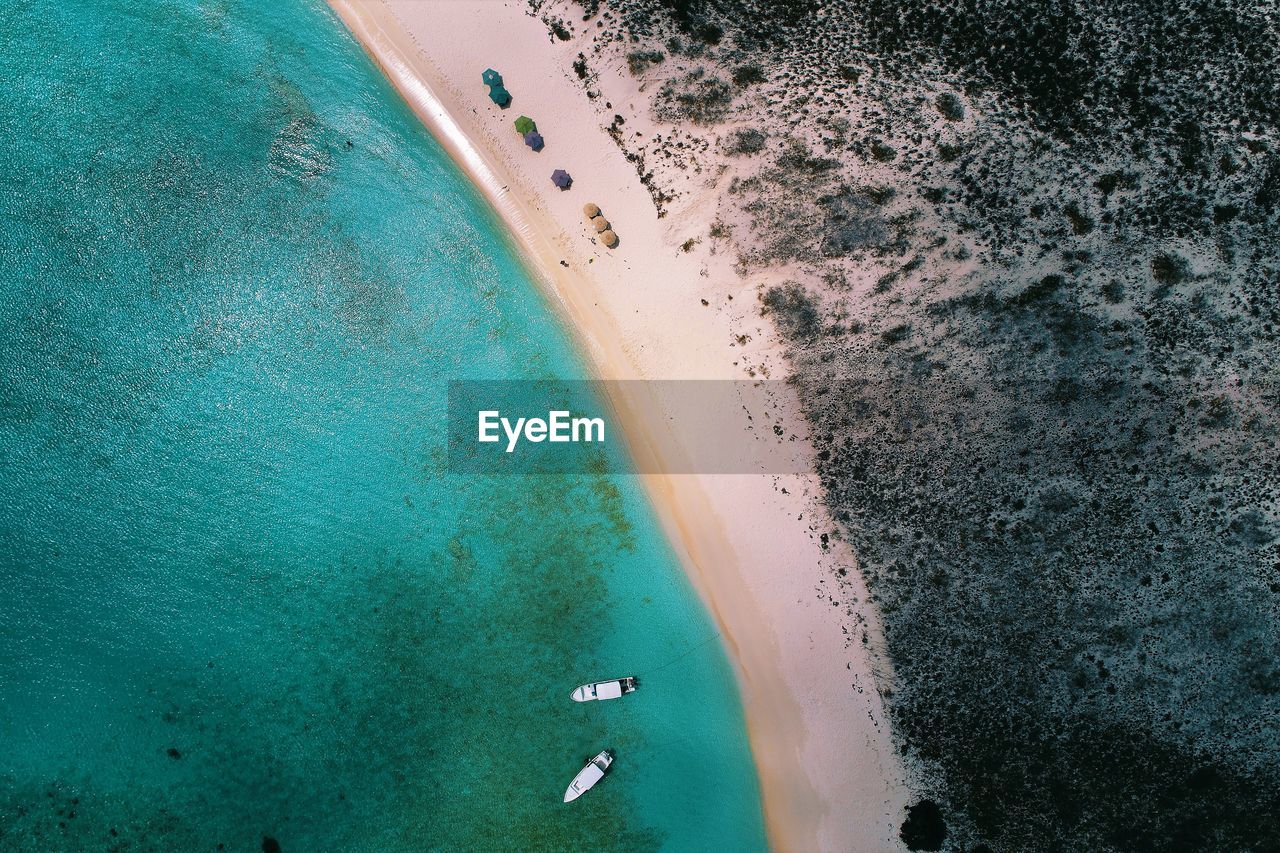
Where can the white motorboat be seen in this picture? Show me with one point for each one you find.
(592, 773)
(600, 690)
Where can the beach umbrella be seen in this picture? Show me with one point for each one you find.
(534, 140)
(600, 223)
(609, 238)
(561, 179)
(499, 96)
(524, 125)
(491, 77)
(592, 210)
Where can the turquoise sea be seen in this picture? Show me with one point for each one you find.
(240, 595)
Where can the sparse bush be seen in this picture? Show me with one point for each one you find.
(709, 34)
(747, 140)
(1169, 269)
(696, 97)
(1224, 213)
(950, 106)
(1107, 183)
(1080, 222)
(559, 30)
(851, 223)
(793, 310)
(896, 334)
(879, 195)
(835, 278)
(799, 158)
(924, 829)
(882, 151)
(638, 61)
(747, 75)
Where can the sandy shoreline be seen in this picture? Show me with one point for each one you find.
(751, 545)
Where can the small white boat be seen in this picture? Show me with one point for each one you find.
(604, 689)
(588, 776)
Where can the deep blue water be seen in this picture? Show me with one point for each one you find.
(240, 595)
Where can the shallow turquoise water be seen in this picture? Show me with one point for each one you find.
(239, 594)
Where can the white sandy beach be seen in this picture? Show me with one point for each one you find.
(751, 544)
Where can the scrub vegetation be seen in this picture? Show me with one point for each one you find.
(1032, 303)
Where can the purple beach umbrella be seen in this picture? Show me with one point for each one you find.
(534, 140)
(561, 179)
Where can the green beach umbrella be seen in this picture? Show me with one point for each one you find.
(524, 125)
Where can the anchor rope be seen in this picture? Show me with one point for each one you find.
(682, 655)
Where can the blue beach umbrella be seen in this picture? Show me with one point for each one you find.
(561, 179)
(534, 140)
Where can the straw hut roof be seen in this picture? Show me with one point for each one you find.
(609, 238)
(600, 223)
(591, 210)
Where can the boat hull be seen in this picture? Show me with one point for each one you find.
(600, 690)
(588, 776)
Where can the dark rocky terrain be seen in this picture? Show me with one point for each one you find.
(1034, 298)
